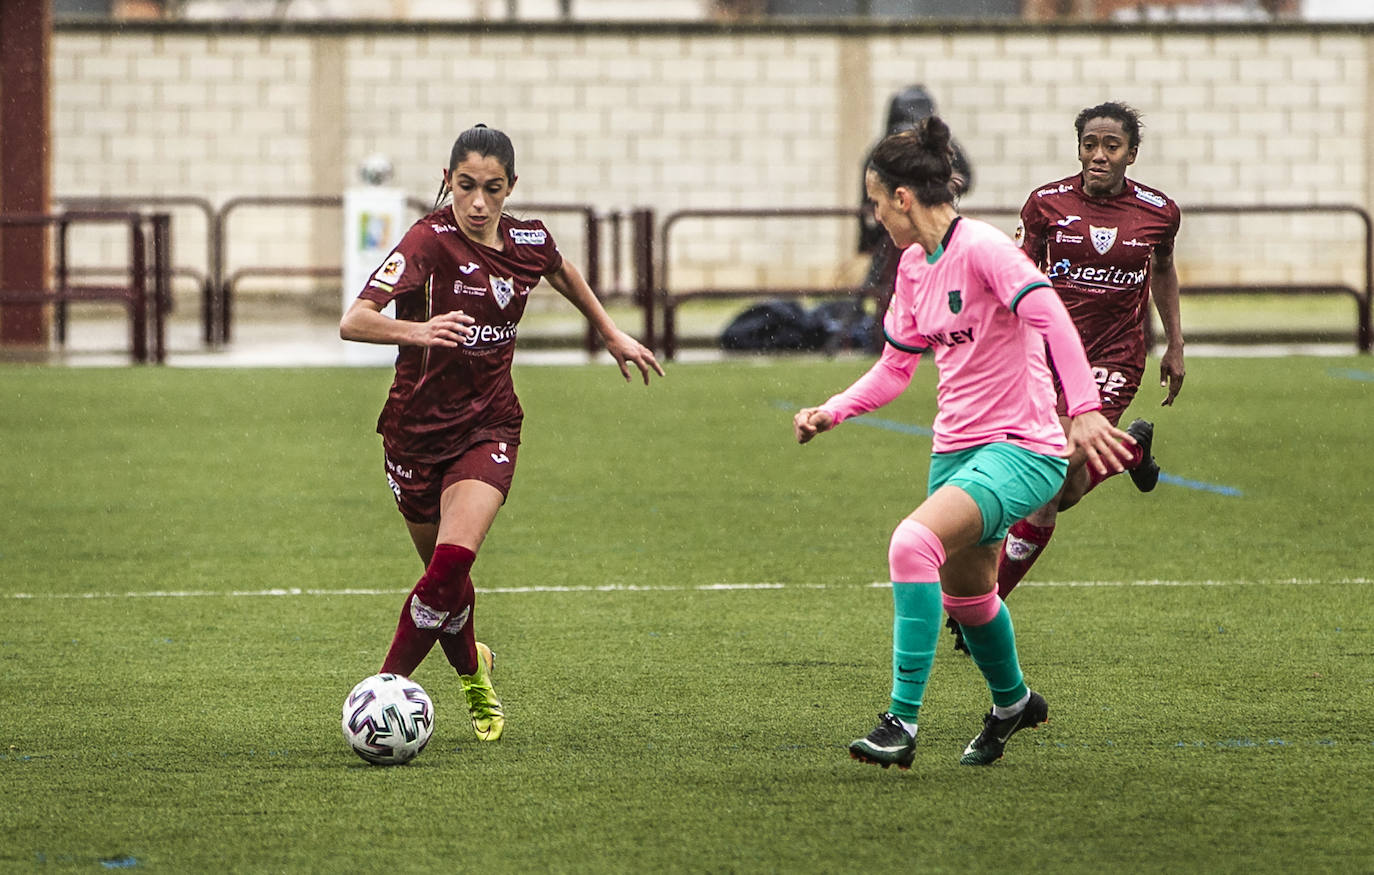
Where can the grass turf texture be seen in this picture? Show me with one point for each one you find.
(1200, 727)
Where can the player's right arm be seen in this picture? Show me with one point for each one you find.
(888, 378)
(364, 322)
(883, 382)
(405, 271)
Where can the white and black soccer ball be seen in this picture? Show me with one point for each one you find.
(376, 169)
(387, 719)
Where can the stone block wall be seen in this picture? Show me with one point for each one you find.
(704, 116)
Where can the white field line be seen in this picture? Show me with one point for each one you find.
(615, 587)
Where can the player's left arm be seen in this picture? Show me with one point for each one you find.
(1164, 289)
(1031, 236)
(622, 347)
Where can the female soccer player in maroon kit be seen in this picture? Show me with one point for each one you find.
(450, 427)
(1107, 244)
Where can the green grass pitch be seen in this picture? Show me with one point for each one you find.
(197, 565)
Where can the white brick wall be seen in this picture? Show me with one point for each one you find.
(721, 118)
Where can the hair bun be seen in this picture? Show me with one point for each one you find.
(921, 159)
(936, 135)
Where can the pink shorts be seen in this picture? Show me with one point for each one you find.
(419, 487)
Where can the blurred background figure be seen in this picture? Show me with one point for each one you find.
(906, 109)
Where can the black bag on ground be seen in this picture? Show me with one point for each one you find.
(786, 325)
(773, 325)
(845, 324)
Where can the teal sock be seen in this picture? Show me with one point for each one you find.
(915, 631)
(993, 648)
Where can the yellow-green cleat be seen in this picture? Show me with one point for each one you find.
(485, 709)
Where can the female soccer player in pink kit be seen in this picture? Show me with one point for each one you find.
(967, 295)
(1107, 242)
(451, 423)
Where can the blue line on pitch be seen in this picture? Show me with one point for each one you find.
(1352, 374)
(925, 431)
(872, 421)
(1172, 480)
(892, 425)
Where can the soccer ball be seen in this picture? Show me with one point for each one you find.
(387, 719)
(376, 169)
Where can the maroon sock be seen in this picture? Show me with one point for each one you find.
(1019, 555)
(432, 603)
(458, 637)
(1094, 478)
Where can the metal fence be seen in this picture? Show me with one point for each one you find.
(625, 255)
(670, 298)
(145, 291)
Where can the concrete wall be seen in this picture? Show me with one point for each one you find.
(715, 116)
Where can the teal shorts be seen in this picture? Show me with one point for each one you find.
(1006, 481)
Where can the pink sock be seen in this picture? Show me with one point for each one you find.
(975, 610)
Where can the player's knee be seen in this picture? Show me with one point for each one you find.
(914, 554)
(972, 610)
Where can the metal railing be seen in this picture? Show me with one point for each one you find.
(637, 258)
(148, 275)
(229, 279)
(670, 299)
(207, 280)
(1363, 297)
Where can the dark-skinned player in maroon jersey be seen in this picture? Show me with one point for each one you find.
(1107, 244)
(460, 278)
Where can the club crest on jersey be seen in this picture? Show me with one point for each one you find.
(1103, 238)
(502, 289)
(956, 301)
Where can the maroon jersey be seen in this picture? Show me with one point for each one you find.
(444, 400)
(1097, 252)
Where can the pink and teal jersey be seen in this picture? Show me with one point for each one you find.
(960, 303)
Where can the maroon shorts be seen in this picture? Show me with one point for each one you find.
(418, 487)
(1118, 367)
(1116, 386)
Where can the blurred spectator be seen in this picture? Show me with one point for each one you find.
(906, 108)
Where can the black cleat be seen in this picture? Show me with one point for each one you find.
(887, 745)
(1145, 476)
(958, 632)
(987, 746)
